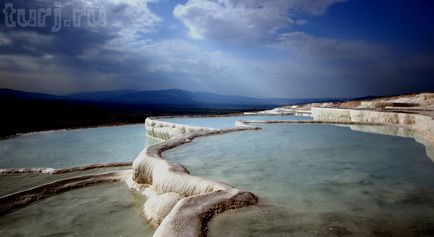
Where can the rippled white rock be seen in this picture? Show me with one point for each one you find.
(157, 207)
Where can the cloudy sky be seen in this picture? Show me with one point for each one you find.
(269, 48)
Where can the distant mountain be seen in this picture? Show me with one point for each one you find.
(167, 98)
(178, 97)
(15, 94)
(27, 111)
(99, 95)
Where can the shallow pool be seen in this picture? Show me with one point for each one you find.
(67, 148)
(101, 210)
(224, 122)
(318, 180)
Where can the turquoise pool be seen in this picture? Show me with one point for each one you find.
(318, 180)
(67, 148)
(102, 210)
(312, 180)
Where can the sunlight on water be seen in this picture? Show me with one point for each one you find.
(102, 210)
(224, 122)
(67, 148)
(318, 180)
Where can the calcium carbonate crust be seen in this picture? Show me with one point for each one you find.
(201, 198)
(422, 124)
(178, 203)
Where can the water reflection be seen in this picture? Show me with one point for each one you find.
(397, 131)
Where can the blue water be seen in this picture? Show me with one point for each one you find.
(224, 122)
(318, 180)
(101, 210)
(312, 180)
(67, 148)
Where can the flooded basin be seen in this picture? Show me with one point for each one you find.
(101, 210)
(318, 180)
(78, 147)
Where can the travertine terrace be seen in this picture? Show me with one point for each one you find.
(173, 192)
(180, 204)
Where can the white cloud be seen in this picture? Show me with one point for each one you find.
(244, 20)
(29, 37)
(134, 20)
(180, 56)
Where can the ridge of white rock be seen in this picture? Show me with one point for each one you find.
(287, 110)
(423, 124)
(157, 207)
(64, 170)
(14, 201)
(163, 130)
(182, 203)
(412, 112)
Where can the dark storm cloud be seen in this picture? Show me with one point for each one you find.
(255, 48)
(80, 54)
